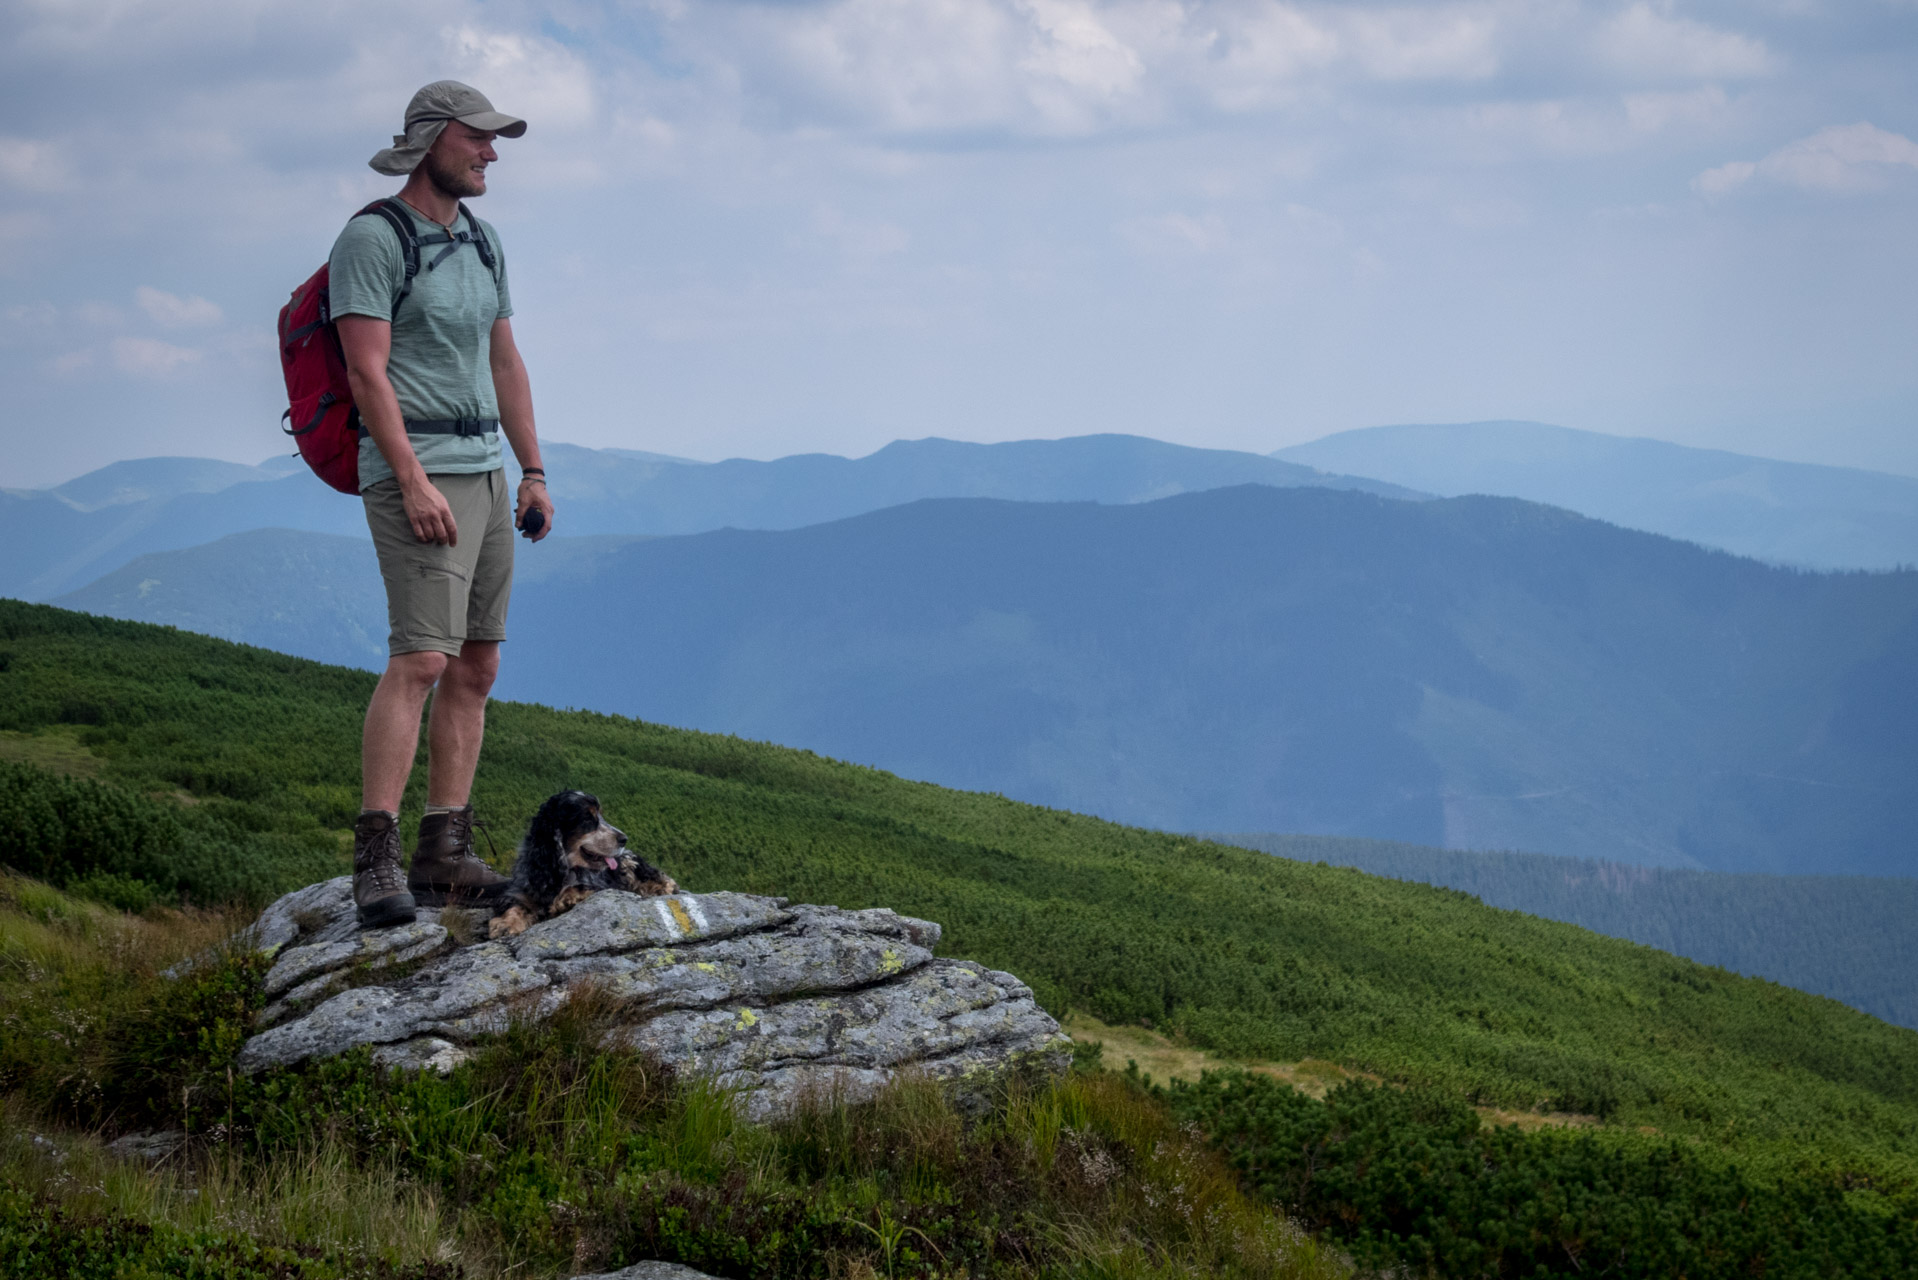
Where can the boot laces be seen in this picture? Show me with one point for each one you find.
(380, 859)
(464, 825)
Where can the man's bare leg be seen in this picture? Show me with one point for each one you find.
(392, 736)
(458, 723)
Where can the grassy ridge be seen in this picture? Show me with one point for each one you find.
(1253, 955)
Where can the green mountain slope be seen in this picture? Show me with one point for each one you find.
(1853, 938)
(1236, 950)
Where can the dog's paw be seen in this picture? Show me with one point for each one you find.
(568, 898)
(512, 923)
(656, 888)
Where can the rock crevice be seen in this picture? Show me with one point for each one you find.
(766, 997)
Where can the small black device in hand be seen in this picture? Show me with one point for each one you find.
(532, 522)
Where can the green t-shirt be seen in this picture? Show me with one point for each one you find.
(442, 337)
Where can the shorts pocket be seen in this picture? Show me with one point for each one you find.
(427, 600)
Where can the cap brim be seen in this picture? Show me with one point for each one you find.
(495, 122)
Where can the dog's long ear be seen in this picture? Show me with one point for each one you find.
(544, 828)
(545, 843)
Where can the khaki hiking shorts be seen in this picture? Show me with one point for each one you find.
(438, 598)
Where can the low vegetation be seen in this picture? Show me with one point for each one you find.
(1415, 1178)
(1847, 937)
(1448, 1005)
(546, 1154)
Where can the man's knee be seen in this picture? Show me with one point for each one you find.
(417, 671)
(476, 668)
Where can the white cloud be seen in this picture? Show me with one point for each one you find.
(1691, 110)
(29, 165)
(175, 312)
(859, 238)
(1843, 159)
(524, 75)
(1716, 182)
(1450, 42)
(69, 363)
(1071, 68)
(149, 357)
(1647, 40)
(1182, 233)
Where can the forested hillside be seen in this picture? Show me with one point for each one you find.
(1468, 673)
(1471, 673)
(1853, 938)
(1253, 956)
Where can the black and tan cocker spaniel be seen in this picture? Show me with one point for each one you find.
(570, 853)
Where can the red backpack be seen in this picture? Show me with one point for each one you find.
(320, 415)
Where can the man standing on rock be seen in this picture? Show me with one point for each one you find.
(437, 379)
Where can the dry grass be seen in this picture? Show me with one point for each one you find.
(1164, 1059)
(47, 937)
(321, 1197)
(58, 750)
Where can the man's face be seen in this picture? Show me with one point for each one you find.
(457, 162)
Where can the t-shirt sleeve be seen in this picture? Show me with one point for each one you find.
(499, 253)
(366, 269)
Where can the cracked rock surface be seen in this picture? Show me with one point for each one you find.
(772, 999)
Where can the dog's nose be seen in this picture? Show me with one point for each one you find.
(620, 836)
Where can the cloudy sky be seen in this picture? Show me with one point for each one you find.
(765, 228)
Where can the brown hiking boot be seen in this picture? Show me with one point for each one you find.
(379, 889)
(446, 871)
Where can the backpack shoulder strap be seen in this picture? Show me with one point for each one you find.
(481, 241)
(402, 224)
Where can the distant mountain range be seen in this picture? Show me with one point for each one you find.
(1785, 512)
(1471, 673)
(66, 537)
(1827, 517)
(1853, 938)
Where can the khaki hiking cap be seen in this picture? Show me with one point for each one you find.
(428, 113)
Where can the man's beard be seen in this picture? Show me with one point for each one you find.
(457, 181)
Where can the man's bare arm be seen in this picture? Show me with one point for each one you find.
(514, 391)
(367, 343)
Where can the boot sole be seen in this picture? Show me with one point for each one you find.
(388, 912)
(428, 897)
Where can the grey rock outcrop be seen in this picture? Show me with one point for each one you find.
(651, 1271)
(150, 1147)
(767, 998)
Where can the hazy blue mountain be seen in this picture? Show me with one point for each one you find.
(1853, 938)
(316, 595)
(66, 537)
(142, 479)
(55, 546)
(1471, 673)
(1787, 512)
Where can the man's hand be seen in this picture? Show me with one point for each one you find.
(428, 513)
(533, 497)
